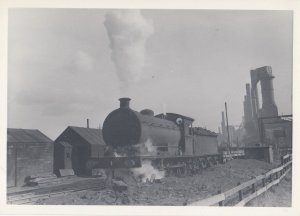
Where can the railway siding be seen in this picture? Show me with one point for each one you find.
(31, 196)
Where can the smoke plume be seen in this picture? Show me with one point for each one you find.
(128, 32)
(147, 172)
(151, 150)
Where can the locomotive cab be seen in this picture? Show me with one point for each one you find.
(185, 124)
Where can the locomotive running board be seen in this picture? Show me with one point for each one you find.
(114, 162)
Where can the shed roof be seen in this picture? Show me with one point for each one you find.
(26, 136)
(92, 135)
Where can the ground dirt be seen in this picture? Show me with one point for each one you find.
(278, 196)
(170, 190)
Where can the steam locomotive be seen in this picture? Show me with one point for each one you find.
(171, 137)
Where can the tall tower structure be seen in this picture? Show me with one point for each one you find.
(269, 108)
(252, 109)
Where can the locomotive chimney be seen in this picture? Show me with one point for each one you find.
(124, 103)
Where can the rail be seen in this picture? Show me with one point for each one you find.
(250, 188)
(33, 195)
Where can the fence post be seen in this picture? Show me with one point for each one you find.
(240, 192)
(285, 168)
(270, 178)
(264, 182)
(221, 203)
(282, 162)
(254, 187)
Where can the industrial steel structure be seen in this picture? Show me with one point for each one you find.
(263, 126)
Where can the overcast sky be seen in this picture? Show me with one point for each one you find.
(61, 70)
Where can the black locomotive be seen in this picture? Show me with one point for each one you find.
(171, 138)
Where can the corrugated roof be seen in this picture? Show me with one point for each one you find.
(203, 132)
(91, 135)
(26, 136)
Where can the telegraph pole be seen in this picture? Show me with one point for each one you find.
(228, 138)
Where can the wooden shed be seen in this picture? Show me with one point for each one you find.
(29, 152)
(75, 146)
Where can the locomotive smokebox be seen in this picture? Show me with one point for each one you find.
(124, 102)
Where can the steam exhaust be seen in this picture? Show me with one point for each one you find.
(128, 32)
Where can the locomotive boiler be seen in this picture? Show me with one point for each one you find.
(126, 127)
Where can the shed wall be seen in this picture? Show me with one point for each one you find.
(58, 162)
(26, 159)
(284, 140)
(80, 153)
(259, 153)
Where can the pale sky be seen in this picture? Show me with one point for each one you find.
(60, 69)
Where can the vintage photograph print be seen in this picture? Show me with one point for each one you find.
(149, 107)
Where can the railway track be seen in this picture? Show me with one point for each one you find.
(32, 196)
